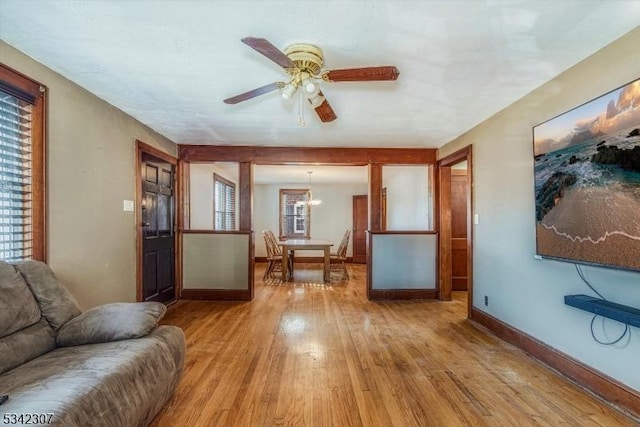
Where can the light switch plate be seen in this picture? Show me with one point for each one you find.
(476, 219)
(127, 205)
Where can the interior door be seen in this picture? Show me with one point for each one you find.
(158, 214)
(360, 224)
(459, 274)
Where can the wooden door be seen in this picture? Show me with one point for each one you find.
(158, 242)
(360, 225)
(459, 273)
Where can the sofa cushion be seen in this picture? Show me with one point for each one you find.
(26, 344)
(111, 322)
(56, 303)
(18, 308)
(122, 383)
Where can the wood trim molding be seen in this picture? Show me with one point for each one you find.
(402, 294)
(155, 152)
(184, 175)
(295, 155)
(444, 248)
(458, 172)
(38, 94)
(456, 157)
(603, 386)
(245, 202)
(39, 153)
(217, 294)
(470, 237)
(375, 197)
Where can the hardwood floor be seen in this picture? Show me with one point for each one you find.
(308, 354)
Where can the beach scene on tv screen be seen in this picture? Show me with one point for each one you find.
(587, 181)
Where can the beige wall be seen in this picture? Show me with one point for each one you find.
(91, 151)
(522, 291)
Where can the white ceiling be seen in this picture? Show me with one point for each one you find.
(171, 63)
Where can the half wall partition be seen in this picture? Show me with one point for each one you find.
(401, 263)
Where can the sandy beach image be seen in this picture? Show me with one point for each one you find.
(594, 225)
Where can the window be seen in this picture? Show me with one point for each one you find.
(294, 214)
(21, 167)
(224, 200)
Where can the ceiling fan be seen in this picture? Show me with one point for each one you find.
(303, 62)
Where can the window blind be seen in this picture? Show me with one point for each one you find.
(225, 204)
(16, 234)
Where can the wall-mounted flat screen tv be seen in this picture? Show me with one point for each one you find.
(587, 182)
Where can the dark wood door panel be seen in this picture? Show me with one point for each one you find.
(158, 219)
(360, 224)
(459, 270)
(150, 278)
(459, 206)
(165, 269)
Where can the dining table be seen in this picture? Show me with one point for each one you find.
(307, 245)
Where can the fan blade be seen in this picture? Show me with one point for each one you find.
(255, 92)
(324, 110)
(270, 51)
(362, 74)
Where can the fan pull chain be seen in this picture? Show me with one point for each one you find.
(301, 109)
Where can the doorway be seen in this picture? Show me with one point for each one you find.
(455, 225)
(156, 224)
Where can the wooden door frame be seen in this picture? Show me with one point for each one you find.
(141, 149)
(444, 224)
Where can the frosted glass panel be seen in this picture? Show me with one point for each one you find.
(404, 261)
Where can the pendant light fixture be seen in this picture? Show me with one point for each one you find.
(311, 201)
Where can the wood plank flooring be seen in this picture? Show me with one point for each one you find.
(308, 354)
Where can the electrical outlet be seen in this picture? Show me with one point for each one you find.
(486, 301)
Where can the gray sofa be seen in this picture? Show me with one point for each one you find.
(109, 366)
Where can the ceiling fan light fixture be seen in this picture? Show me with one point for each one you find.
(303, 62)
(288, 91)
(316, 100)
(310, 87)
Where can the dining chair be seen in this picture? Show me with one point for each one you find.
(274, 260)
(339, 258)
(278, 251)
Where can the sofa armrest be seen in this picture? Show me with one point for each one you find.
(111, 322)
